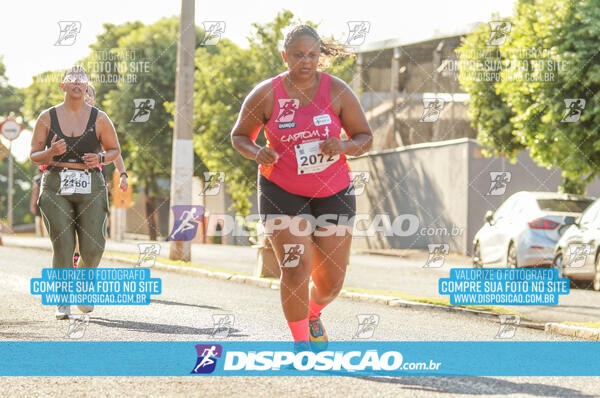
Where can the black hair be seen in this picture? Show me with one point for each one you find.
(329, 48)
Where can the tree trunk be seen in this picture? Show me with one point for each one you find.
(150, 202)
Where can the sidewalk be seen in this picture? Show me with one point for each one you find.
(396, 275)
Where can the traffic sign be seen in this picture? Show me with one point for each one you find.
(10, 129)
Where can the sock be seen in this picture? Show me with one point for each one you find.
(299, 329)
(314, 308)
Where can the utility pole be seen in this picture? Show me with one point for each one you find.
(182, 165)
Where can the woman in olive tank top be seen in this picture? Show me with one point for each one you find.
(73, 138)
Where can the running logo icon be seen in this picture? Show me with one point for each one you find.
(357, 32)
(432, 108)
(574, 110)
(187, 218)
(500, 180)
(287, 110)
(148, 254)
(291, 255)
(142, 106)
(437, 255)
(499, 31)
(223, 323)
(366, 326)
(507, 326)
(212, 32)
(359, 182)
(213, 181)
(578, 254)
(68, 32)
(207, 358)
(77, 326)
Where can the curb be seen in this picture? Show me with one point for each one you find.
(550, 327)
(574, 331)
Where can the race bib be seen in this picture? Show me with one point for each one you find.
(311, 160)
(75, 181)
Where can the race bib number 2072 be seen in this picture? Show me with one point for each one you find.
(310, 158)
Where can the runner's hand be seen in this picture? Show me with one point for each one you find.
(266, 156)
(123, 183)
(91, 159)
(332, 146)
(58, 147)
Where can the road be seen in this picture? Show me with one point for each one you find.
(382, 273)
(183, 312)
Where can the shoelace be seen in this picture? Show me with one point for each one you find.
(315, 327)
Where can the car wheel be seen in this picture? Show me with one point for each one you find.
(597, 273)
(559, 264)
(477, 263)
(511, 256)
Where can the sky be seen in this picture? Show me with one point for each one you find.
(29, 29)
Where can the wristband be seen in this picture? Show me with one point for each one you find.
(101, 158)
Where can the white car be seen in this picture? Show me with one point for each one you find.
(523, 232)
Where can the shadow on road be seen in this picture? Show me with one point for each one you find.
(487, 386)
(167, 302)
(159, 327)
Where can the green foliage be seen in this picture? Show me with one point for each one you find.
(489, 114)
(22, 183)
(11, 98)
(531, 104)
(147, 144)
(43, 93)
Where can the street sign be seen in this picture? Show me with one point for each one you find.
(10, 129)
(120, 199)
(3, 151)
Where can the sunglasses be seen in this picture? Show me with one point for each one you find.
(75, 79)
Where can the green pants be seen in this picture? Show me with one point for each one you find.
(65, 215)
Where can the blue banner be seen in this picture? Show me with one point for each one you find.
(503, 286)
(250, 358)
(95, 286)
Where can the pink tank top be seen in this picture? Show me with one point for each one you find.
(294, 132)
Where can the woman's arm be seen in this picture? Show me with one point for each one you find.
(39, 154)
(354, 123)
(108, 139)
(249, 122)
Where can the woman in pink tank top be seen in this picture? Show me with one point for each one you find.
(304, 182)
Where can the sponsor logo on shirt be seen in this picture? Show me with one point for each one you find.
(322, 119)
(306, 135)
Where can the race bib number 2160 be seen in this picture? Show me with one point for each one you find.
(75, 181)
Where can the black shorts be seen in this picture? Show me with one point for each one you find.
(338, 209)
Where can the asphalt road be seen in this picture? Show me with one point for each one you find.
(183, 312)
(384, 273)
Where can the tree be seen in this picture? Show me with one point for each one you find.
(480, 71)
(567, 70)
(151, 76)
(550, 68)
(11, 98)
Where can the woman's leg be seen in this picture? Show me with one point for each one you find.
(59, 216)
(92, 213)
(294, 253)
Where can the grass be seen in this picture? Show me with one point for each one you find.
(444, 301)
(178, 263)
(594, 325)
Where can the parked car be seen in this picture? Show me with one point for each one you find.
(577, 254)
(524, 230)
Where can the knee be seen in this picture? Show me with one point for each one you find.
(294, 277)
(90, 255)
(330, 288)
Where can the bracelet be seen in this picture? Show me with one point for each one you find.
(125, 174)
